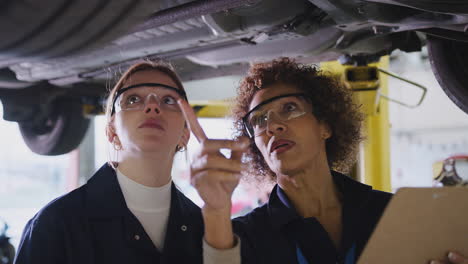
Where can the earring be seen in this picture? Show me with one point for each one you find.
(181, 148)
(117, 147)
(116, 144)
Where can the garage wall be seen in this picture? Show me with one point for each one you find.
(424, 135)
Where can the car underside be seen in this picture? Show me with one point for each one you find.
(58, 55)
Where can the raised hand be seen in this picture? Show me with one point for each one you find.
(213, 175)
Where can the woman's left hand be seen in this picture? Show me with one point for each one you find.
(215, 177)
(454, 258)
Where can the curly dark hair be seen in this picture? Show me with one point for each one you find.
(332, 104)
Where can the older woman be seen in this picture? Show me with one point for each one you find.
(303, 128)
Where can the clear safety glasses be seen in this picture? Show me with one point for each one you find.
(282, 108)
(137, 96)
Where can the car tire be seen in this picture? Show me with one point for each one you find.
(449, 61)
(51, 28)
(61, 133)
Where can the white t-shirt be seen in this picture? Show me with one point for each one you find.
(150, 205)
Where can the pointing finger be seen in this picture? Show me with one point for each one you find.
(192, 120)
(217, 144)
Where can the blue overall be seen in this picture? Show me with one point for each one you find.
(275, 233)
(93, 224)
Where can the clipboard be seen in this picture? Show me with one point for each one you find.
(418, 225)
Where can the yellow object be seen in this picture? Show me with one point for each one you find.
(374, 161)
(365, 82)
(213, 108)
(437, 167)
(92, 110)
(361, 77)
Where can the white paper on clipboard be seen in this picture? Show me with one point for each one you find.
(420, 224)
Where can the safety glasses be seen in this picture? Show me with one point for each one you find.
(137, 96)
(281, 108)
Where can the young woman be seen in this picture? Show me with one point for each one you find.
(302, 128)
(130, 211)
